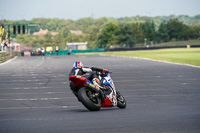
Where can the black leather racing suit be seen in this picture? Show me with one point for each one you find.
(89, 73)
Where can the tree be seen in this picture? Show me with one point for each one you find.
(105, 32)
(64, 31)
(91, 36)
(176, 29)
(163, 32)
(149, 30)
(108, 35)
(126, 35)
(137, 32)
(195, 31)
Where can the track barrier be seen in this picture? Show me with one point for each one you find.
(66, 52)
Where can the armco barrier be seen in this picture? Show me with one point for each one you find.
(89, 50)
(150, 48)
(61, 52)
(65, 52)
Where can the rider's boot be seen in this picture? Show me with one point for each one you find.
(96, 83)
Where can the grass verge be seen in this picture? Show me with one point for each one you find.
(189, 56)
(182, 55)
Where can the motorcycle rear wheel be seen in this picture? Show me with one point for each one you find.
(91, 102)
(121, 102)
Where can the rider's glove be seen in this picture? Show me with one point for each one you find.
(105, 71)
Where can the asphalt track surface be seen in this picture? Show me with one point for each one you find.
(161, 97)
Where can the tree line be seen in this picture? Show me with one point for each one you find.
(111, 32)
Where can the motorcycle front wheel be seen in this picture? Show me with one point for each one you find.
(88, 99)
(121, 102)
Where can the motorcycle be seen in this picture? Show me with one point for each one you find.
(92, 97)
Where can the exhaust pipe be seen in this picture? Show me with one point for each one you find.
(92, 87)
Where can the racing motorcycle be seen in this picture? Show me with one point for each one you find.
(92, 97)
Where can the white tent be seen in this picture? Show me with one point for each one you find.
(77, 46)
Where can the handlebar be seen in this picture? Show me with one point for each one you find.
(97, 69)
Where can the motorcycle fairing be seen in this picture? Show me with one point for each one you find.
(106, 103)
(78, 81)
(111, 99)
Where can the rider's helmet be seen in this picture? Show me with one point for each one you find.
(78, 64)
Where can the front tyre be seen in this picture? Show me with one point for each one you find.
(121, 102)
(89, 100)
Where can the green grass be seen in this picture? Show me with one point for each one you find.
(182, 55)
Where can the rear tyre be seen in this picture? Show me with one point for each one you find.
(89, 100)
(121, 102)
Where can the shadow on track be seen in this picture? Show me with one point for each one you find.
(85, 110)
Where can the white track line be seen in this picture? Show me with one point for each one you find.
(34, 93)
(154, 60)
(134, 96)
(41, 119)
(48, 107)
(8, 61)
(37, 99)
(31, 88)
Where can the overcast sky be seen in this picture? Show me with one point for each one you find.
(76, 9)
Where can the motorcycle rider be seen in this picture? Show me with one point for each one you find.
(90, 74)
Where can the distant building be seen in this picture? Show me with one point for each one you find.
(53, 33)
(41, 32)
(76, 32)
(77, 46)
(44, 32)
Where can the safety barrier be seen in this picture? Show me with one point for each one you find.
(150, 48)
(4, 56)
(66, 52)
